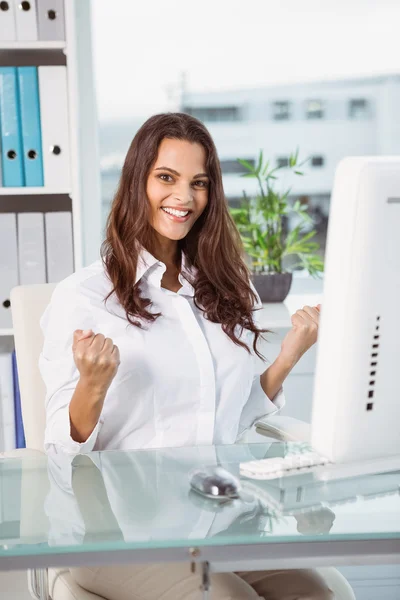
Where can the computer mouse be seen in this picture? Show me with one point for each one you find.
(215, 483)
(215, 505)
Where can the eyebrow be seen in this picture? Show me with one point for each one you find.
(178, 174)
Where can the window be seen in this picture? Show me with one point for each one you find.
(315, 109)
(317, 161)
(281, 111)
(282, 161)
(234, 201)
(214, 114)
(358, 108)
(276, 104)
(230, 167)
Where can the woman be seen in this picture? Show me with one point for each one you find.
(156, 345)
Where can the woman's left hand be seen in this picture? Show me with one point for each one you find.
(303, 335)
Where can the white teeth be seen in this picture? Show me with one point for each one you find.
(177, 213)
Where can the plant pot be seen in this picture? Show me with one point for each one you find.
(272, 287)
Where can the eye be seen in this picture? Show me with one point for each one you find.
(201, 183)
(165, 177)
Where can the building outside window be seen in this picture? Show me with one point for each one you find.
(281, 111)
(317, 161)
(235, 201)
(231, 167)
(282, 161)
(315, 109)
(215, 114)
(358, 108)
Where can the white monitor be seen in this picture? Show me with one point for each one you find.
(356, 402)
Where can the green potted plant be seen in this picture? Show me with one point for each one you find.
(261, 221)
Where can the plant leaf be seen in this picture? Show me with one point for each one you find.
(260, 162)
(266, 166)
(246, 164)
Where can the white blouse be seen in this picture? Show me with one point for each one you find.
(181, 381)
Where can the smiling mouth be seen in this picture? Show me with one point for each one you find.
(179, 216)
(175, 211)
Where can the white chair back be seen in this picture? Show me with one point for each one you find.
(28, 303)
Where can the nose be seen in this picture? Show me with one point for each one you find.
(183, 193)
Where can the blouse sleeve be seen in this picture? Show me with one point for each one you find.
(259, 404)
(67, 311)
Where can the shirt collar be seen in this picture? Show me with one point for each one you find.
(145, 262)
(152, 270)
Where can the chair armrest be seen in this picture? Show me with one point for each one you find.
(284, 428)
(337, 583)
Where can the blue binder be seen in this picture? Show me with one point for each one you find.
(30, 125)
(10, 128)
(19, 426)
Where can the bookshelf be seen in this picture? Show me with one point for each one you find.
(31, 191)
(82, 196)
(39, 45)
(6, 332)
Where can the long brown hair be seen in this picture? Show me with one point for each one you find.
(213, 245)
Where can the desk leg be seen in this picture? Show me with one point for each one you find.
(38, 584)
(205, 580)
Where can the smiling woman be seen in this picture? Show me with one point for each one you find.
(171, 169)
(164, 338)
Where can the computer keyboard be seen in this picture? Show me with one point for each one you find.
(291, 464)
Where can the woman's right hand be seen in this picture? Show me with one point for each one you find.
(96, 357)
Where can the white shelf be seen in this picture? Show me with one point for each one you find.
(6, 332)
(28, 191)
(38, 45)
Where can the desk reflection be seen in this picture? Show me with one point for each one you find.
(144, 496)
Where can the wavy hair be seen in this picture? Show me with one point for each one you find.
(213, 246)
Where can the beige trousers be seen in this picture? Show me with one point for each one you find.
(173, 581)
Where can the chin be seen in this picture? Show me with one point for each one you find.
(178, 237)
(170, 235)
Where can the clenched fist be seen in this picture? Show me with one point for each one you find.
(304, 333)
(96, 357)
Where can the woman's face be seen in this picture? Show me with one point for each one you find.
(177, 182)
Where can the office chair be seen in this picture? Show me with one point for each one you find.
(28, 304)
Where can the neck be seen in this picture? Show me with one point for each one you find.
(167, 251)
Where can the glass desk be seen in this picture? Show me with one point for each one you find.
(119, 507)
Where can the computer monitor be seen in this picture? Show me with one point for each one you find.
(356, 401)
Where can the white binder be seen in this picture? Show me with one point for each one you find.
(7, 413)
(31, 254)
(51, 19)
(53, 92)
(1, 450)
(26, 20)
(7, 22)
(59, 246)
(8, 265)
